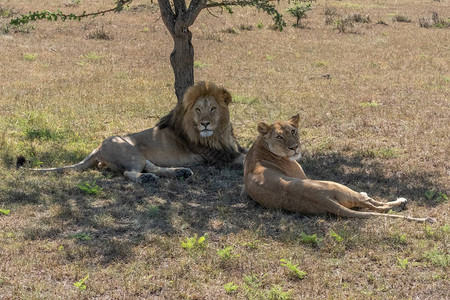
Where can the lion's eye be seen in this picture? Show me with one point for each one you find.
(279, 137)
(197, 110)
(213, 109)
(293, 131)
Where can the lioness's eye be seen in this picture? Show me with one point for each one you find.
(197, 109)
(213, 109)
(279, 137)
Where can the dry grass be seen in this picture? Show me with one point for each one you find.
(374, 108)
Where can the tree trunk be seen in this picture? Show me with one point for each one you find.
(182, 60)
(177, 21)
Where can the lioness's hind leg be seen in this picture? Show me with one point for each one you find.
(383, 206)
(167, 172)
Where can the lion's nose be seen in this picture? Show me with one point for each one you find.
(293, 148)
(205, 124)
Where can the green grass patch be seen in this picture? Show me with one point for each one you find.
(82, 236)
(230, 287)
(336, 236)
(438, 258)
(92, 56)
(312, 240)
(245, 100)
(4, 211)
(276, 293)
(226, 253)
(198, 64)
(90, 188)
(153, 211)
(30, 56)
(369, 104)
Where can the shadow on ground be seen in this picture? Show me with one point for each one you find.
(124, 214)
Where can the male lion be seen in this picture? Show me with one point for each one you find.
(197, 130)
(274, 179)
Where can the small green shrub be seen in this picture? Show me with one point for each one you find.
(359, 18)
(232, 30)
(336, 236)
(401, 18)
(99, 34)
(226, 253)
(192, 244)
(299, 11)
(294, 271)
(330, 11)
(246, 27)
(344, 25)
(80, 284)
(90, 189)
(72, 3)
(310, 239)
(277, 293)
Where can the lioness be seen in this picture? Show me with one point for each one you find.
(274, 179)
(197, 130)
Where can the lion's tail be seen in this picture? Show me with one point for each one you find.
(343, 211)
(86, 163)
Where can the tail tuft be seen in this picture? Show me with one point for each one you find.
(21, 161)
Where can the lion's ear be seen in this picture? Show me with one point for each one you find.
(263, 128)
(226, 96)
(294, 120)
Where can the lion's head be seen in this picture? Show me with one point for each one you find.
(206, 114)
(203, 117)
(282, 138)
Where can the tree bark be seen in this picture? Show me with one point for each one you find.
(182, 56)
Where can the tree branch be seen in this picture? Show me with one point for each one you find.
(167, 15)
(195, 7)
(52, 16)
(180, 7)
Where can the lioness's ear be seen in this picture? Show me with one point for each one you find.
(294, 120)
(263, 128)
(226, 96)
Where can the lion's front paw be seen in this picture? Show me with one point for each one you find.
(148, 178)
(184, 173)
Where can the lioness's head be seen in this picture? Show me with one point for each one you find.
(206, 110)
(282, 137)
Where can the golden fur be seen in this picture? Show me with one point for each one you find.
(276, 180)
(197, 130)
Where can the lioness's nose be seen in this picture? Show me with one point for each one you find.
(205, 124)
(293, 148)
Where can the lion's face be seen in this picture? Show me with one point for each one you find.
(282, 138)
(206, 114)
